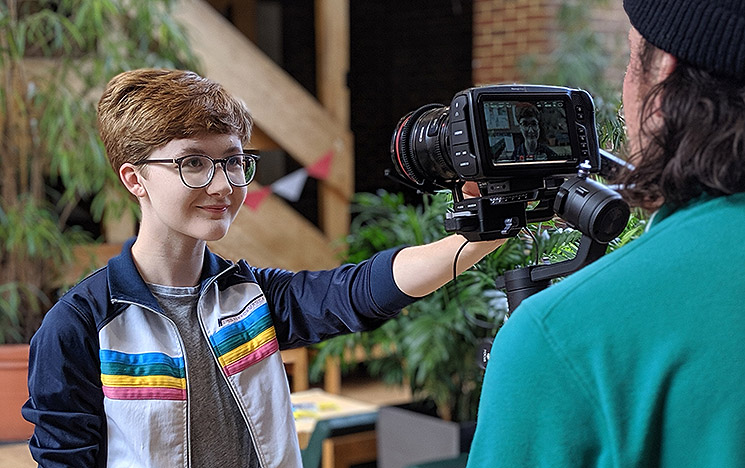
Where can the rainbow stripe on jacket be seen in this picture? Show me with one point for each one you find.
(245, 342)
(144, 376)
(157, 376)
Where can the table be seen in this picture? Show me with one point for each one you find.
(344, 429)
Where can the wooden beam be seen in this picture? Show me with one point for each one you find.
(261, 141)
(332, 57)
(281, 107)
(332, 65)
(275, 235)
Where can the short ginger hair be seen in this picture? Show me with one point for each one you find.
(142, 110)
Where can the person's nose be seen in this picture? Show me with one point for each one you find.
(219, 185)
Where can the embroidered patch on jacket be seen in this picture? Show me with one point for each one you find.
(246, 341)
(252, 305)
(142, 376)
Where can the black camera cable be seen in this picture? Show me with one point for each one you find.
(469, 317)
(482, 345)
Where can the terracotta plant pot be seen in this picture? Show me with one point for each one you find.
(13, 392)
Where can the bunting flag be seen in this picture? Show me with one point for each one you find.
(321, 168)
(291, 186)
(254, 199)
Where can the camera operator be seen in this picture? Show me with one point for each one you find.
(637, 359)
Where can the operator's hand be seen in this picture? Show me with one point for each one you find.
(471, 190)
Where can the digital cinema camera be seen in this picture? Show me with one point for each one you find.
(531, 150)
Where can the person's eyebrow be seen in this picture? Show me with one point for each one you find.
(188, 150)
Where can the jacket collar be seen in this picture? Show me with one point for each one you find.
(126, 284)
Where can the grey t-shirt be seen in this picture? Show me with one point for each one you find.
(218, 433)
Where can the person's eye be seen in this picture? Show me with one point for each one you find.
(235, 162)
(194, 163)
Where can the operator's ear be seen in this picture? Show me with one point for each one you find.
(666, 64)
(132, 180)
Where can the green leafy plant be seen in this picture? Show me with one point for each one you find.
(432, 345)
(55, 57)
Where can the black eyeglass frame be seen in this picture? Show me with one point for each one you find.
(251, 154)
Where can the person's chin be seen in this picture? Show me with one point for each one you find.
(214, 232)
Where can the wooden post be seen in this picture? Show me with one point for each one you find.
(332, 65)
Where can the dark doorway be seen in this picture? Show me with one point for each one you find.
(404, 54)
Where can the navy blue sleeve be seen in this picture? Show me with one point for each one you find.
(66, 401)
(312, 306)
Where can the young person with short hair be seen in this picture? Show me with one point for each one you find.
(169, 355)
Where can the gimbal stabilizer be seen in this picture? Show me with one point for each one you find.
(598, 212)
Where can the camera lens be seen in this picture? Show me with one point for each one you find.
(592, 208)
(420, 147)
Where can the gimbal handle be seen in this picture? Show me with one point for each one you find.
(521, 283)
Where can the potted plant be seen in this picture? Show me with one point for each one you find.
(54, 58)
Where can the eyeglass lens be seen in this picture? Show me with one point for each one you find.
(198, 170)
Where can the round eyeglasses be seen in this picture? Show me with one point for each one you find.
(198, 170)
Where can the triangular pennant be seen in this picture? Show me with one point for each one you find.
(290, 187)
(254, 199)
(321, 168)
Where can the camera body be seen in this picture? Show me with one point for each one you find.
(519, 143)
(484, 125)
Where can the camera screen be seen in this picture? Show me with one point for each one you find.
(520, 132)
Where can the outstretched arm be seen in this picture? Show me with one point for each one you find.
(421, 269)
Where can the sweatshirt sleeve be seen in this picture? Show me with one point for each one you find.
(311, 306)
(66, 402)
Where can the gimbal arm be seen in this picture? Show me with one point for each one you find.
(524, 282)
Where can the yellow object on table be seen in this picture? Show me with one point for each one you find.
(312, 405)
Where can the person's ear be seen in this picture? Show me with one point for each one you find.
(132, 180)
(666, 64)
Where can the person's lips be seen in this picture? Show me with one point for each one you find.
(221, 208)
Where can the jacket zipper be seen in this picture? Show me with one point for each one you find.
(186, 373)
(235, 394)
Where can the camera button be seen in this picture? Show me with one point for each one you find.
(467, 168)
(580, 112)
(461, 152)
(459, 132)
(433, 128)
(458, 108)
(465, 162)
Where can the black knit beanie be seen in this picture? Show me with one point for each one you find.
(709, 34)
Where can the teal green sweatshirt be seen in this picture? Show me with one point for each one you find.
(637, 360)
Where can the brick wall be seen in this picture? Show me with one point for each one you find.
(504, 31)
(611, 22)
